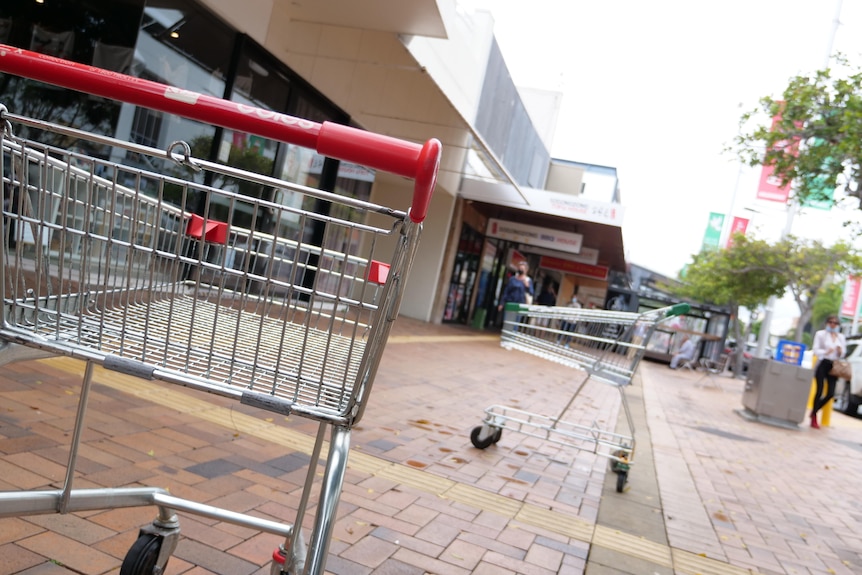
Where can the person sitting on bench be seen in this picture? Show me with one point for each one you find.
(685, 353)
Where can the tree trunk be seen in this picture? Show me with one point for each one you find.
(804, 318)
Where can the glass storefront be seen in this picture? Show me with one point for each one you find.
(459, 298)
(178, 42)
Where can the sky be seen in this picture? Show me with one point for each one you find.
(656, 90)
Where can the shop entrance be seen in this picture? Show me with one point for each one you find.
(461, 285)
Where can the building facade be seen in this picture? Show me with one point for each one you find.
(412, 70)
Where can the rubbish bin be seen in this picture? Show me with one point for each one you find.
(776, 392)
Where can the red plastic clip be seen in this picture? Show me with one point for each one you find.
(378, 272)
(215, 232)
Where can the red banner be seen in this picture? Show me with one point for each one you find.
(850, 301)
(577, 268)
(770, 187)
(738, 226)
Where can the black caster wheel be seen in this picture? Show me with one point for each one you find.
(143, 556)
(622, 476)
(481, 442)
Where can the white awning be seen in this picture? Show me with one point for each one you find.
(543, 202)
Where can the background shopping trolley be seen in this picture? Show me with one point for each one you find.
(606, 345)
(158, 273)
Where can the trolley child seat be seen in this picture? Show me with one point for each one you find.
(607, 345)
(156, 272)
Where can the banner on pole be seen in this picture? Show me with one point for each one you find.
(770, 187)
(850, 300)
(712, 236)
(738, 226)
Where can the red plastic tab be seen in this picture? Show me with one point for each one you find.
(378, 272)
(215, 232)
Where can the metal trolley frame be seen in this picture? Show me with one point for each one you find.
(158, 273)
(607, 345)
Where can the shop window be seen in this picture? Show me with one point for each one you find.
(77, 30)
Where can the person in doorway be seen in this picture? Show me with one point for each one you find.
(548, 295)
(829, 345)
(685, 353)
(519, 287)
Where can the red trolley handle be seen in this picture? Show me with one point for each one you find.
(408, 159)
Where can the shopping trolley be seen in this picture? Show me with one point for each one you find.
(148, 268)
(606, 345)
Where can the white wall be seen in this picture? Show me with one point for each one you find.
(458, 63)
(565, 179)
(543, 107)
(421, 288)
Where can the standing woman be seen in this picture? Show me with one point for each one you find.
(829, 345)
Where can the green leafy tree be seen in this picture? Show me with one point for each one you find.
(809, 268)
(743, 275)
(816, 142)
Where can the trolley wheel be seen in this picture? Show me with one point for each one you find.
(622, 476)
(481, 442)
(142, 556)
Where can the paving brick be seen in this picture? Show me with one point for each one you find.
(350, 530)
(213, 559)
(429, 564)
(14, 528)
(408, 542)
(14, 558)
(25, 443)
(125, 518)
(46, 568)
(493, 545)
(340, 566)
(120, 476)
(438, 532)
(489, 569)
(463, 554)
(370, 551)
(119, 545)
(192, 528)
(258, 548)
(546, 557)
(177, 566)
(73, 527)
(38, 464)
(21, 478)
(522, 567)
(77, 556)
(416, 514)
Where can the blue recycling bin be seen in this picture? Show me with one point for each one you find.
(790, 352)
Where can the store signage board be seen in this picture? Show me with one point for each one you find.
(577, 268)
(535, 236)
(586, 255)
(543, 201)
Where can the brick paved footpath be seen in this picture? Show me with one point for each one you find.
(729, 496)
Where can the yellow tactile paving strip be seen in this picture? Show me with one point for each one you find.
(617, 541)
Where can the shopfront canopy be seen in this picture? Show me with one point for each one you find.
(600, 223)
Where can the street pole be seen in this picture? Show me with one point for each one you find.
(763, 336)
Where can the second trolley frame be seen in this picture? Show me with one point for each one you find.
(606, 345)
